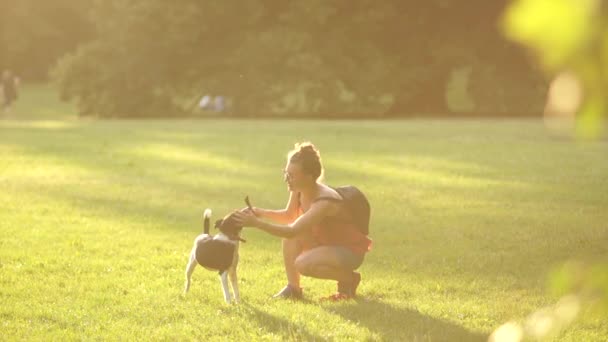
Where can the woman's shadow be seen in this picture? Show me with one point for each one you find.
(385, 321)
(401, 324)
(287, 330)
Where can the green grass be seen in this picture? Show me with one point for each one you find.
(97, 219)
(39, 101)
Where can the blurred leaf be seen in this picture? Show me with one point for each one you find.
(556, 29)
(568, 35)
(588, 281)
(565, 278)
(590, 119)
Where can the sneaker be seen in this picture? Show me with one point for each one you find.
(289, 292)
(350, 288)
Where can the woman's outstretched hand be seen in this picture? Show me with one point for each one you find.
(246, 218)
(250, 210)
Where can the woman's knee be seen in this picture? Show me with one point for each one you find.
(304, 264)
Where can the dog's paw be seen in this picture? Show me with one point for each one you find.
(232, 301)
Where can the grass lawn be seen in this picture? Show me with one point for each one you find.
(39, 101)
(468, 217)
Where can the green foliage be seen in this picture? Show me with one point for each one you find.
(587, 280)
(569, 35)
(109, 85)
(362, 58)
(98, 218)
(558, 30)
(35, 34)
(572, 35)
(274, 58)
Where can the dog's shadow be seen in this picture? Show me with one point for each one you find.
(394, 323)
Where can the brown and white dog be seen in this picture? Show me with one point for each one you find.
(218, 252)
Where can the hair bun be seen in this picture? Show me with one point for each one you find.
(306, 147)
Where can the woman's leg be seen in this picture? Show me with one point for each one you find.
(328, 262)
(291, 250)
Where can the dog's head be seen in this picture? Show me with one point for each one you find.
(229, 227)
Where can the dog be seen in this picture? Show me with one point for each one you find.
(218, 252)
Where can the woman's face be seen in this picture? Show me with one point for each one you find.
(295, 177)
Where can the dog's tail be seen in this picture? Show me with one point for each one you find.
(207, 220)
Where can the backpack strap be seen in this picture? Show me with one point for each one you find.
(327, 198)
(341, 215)
(316, 200)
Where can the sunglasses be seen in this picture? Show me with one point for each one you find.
(287, 176)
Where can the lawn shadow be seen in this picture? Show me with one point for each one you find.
(287, 330)
(394, 323)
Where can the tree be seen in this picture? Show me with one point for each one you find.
(34, 34)
(275, 58)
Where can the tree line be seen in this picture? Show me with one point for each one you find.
(338, 58)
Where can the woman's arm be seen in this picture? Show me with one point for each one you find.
(304, 223)
(284, 216)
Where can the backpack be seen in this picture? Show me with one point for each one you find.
(358, 206)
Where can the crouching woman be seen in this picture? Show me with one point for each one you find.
(320, 238)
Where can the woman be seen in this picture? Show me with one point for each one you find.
(319, 238)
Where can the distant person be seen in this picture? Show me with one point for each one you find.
(219, 104)
(9, 90)
(205, 102)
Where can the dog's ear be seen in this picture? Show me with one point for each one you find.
(218, 223)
